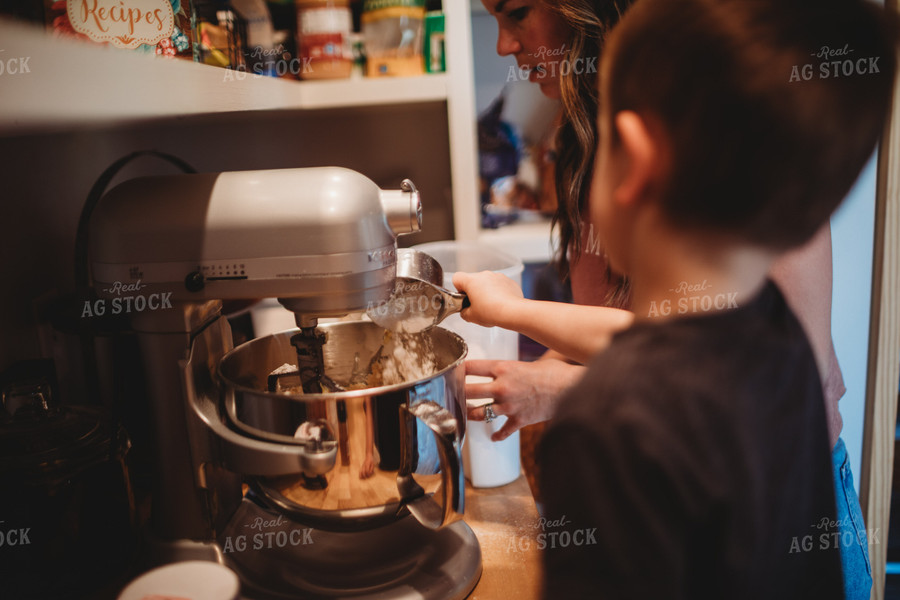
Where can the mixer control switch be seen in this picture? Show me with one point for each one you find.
(194, 282)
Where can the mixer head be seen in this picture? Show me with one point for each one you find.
(321, 240)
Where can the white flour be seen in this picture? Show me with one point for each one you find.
(285, 368)
(407, 358)
(414, 306)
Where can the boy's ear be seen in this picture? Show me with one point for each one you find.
(641, 158)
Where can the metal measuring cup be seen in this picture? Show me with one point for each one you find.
(419, 301)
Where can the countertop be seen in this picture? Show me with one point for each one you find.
(506, 522)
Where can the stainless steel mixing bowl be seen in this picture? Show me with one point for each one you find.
(370, 456)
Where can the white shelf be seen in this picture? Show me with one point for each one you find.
(69, 83)
(366, 92)
(530, 242)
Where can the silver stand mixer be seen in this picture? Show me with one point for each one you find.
(323, 241)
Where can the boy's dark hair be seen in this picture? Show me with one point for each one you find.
(762, 146)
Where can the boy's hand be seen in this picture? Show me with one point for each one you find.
(493, 297)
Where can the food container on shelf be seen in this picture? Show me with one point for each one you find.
(486, 463)
(435, 52)
(394, 33)
(221, 35)
(323, 38)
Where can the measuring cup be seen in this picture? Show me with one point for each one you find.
(419, 301)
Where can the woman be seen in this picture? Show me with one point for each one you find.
(547, 39)
(541, 36)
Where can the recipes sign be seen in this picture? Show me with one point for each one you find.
(124, 24)
(161, 27)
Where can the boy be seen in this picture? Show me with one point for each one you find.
(696, 449)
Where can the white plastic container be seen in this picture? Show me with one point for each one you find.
(194, 579)
(486, 463)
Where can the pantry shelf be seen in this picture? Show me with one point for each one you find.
(53, 83)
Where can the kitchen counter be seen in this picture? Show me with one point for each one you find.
(506, 523)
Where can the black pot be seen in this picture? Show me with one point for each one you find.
(66, 507)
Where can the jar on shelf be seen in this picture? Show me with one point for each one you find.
(221, 35)
(393, 30)
(323, 38)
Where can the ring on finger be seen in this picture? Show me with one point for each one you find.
(489, 414)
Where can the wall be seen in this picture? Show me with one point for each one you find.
(852, 231)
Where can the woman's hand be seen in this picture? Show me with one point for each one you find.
(493, 297)
(526, 392)
(367, 469)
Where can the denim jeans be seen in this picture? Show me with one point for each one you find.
(854, 543)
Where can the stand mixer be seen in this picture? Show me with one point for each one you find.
(322, 241)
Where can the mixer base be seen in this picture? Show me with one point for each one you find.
(277, 558)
